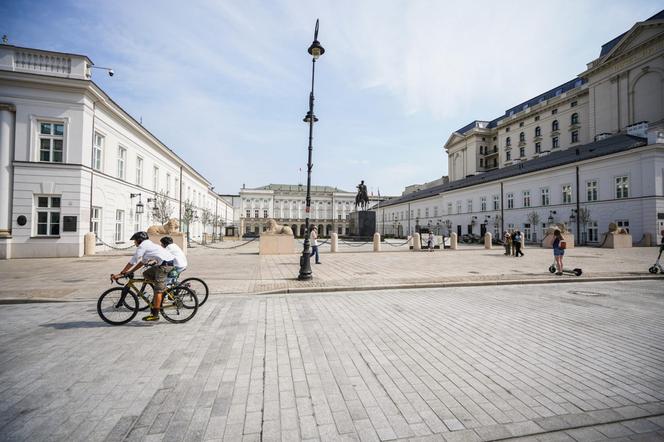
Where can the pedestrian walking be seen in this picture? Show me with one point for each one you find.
(430, 241)
(507, 242)
(314, 243)
(516, 239)
(559, 246)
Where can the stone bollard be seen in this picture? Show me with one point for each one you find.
(376, 242)
(487, 241)
(410, 241)
(89, 243)
(417, 245)
(334, 242)
(453, 241)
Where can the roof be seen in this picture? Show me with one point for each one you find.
(299, 188)
(608, 146)
(606, 47)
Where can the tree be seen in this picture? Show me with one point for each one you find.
(206, 219)
(188, 215)
(584, 218)
(162, 210)
(534, 220)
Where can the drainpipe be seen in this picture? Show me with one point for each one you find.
(578, 206)
(502, 210)
(180, 200)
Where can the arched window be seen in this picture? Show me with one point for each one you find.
(522, 137)
(538, 131)
(508, 142)
(574, 119)
(554, 125)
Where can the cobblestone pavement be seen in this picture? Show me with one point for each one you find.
(242, 270)
(544, 362)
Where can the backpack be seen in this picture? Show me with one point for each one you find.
(563, 245)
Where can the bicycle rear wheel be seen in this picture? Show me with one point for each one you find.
(117, 307)
(199, 287)
(179, 305)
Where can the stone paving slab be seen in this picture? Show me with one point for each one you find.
(242, 271)
(548, 362)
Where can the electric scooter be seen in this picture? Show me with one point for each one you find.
(575, 272)
(657, 267)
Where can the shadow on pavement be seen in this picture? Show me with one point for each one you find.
(89, 324)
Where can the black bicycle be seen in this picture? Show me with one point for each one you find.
(196, 285)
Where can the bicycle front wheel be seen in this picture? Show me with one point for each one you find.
(179, 305)
(116, 307)
(199, 287)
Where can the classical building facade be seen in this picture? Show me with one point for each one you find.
(286, 203)
(586, 153)
(73, 161)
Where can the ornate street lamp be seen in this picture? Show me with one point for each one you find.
(315, 50)
(139, 205)
(551, 219)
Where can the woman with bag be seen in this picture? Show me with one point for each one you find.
(559, 246)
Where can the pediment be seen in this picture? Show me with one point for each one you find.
(640, 34)
(454, 138)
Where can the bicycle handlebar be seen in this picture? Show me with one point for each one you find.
(126, 276)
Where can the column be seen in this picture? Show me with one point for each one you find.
(6, 154)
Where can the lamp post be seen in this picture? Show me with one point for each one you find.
(551, 219)
(139, 206)
(315, 50)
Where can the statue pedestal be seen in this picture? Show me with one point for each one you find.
(618, 241)
(362, 223)
(276, 245)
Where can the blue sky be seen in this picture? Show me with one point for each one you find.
(225, 83)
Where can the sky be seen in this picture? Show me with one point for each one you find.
(225, 84)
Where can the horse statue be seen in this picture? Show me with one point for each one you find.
(362, 198)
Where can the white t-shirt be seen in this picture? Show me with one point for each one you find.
(180, 259)
(314, 238)
(149, 251)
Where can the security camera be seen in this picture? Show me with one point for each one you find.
(111, 73)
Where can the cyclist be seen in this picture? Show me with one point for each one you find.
(180, 260)
(148, 252)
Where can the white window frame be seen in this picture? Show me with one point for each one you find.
(449, 208)
(138, 221)
(482, 204)
(139, 170)
(545, 196)
(496, 202)
(526, 198)
(510, 200)
(458, 206)
(121, 162)
(155, 178)
(168, 183)
(566, 194)
(621, 189)
(469, 205)
(592, 190)
(119, 226)
(95, 222)
(52, 139)
(592, 228)
(50, 209)
(98, 152)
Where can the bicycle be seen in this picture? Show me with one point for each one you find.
(196, 285)
(119, 305)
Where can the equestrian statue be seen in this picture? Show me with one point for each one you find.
(362, 198)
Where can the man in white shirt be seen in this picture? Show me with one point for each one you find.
(149, 252)
(176, 251)
(314, 243)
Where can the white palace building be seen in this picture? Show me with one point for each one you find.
(71, 158)
(586, 153)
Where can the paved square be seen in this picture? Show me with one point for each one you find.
(580, 361)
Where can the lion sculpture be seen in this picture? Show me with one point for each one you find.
(278, 229)
(171, 226)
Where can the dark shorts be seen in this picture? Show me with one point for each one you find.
(558, 252)
(157, 275)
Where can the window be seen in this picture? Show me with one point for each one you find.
(435, 211)
(545, 196)
(51, 139)
(168, 184)
(155, 180)
(510, 200)
(496, 202)
(554, 111)
(522, 137)
(418, 213)
(526, 198)
(248, 214)
(48, 216)
(574, 119)
(458, 204)
(522, 151)
(593, 231)
(119, 225)
(97, 152)
(95, 222)
(122, 158)
(256, 213)
(507, 129)
(508, 156)
(591, 190)
(469, 205)
(538, 131)
(521, 124)
(555, 143)
(623, 224)
(538, 147)
(554, 125)
(483, 204)
(622, 187)
(139, 171)
(508, 142)
(575, 136)
(137, 222)
(536, 117)
(572, 104)
(526, 232)
(176, 187)
(567, 193)
(426, 212)
(264, 213)
(449, 208)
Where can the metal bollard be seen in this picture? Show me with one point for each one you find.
(487, 241)
(376, 242)
(417, 245)
(453, 241)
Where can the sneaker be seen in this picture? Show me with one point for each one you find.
(559, 273)
(151, 317)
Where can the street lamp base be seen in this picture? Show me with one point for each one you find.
(305, 267)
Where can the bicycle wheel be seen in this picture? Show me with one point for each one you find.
(179, 305)
(199, 287)
(116, 307)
